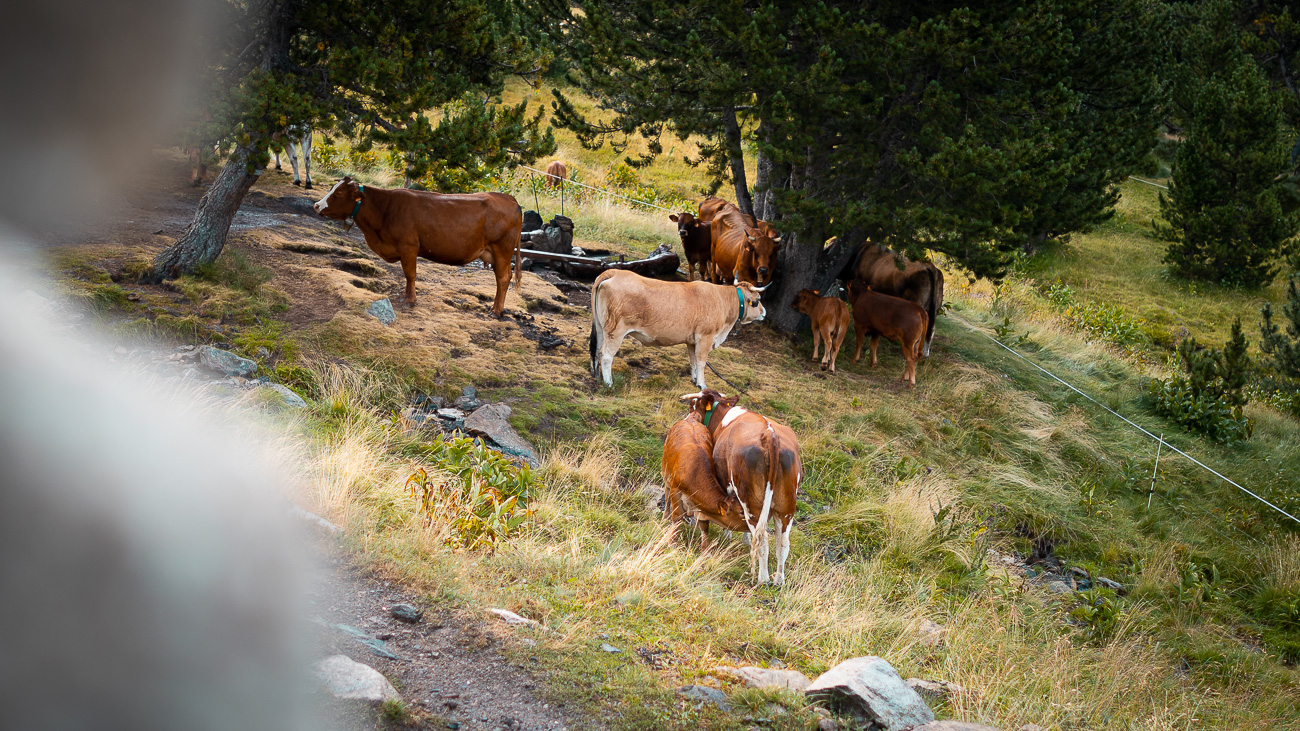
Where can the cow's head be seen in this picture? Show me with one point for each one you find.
(686, 224)
(339, 203)
(709, 405)
(761, 247)
(857, 287)
(805, 301)
(753, 297)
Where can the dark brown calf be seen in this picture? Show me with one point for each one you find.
(757, 461)
(830, 323)
(401, 225)
(556, 174)
(697, 243)
(889, 273)
(692, 487)
(897, 319)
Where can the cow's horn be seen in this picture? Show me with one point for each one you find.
(690, 396)
(760, 289)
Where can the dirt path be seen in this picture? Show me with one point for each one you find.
(449, 671)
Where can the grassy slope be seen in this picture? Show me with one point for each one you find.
(1024, 463)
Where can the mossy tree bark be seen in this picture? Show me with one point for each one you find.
(203, 241)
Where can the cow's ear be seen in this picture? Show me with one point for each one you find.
(673, 217)
(817, 291)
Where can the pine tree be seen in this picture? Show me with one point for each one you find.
(372, 71)
(1283, 346)
(1224, 212)
(976, 131)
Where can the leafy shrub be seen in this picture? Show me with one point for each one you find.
(484, 499)
(1103, 321)
(1099, 611)
(1281, 349)
(1209, 395)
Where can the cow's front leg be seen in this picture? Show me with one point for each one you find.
(408, 268)
(817, 336)
(704, 532)
(782, 548)
(306, 161)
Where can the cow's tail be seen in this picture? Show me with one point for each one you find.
(932, 308)
(595, 317)
(519, 257)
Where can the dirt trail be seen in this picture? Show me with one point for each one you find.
(449, 672)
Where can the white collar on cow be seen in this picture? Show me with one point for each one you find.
(352, 219)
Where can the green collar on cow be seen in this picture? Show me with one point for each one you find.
(708, 413)
(352, 219)
(740, 297)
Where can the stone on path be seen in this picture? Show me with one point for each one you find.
(382, 310)
(707, 694)
(351, 680)
(606, 647)
(768, 677)
(871, 689)
(954, 726)
(226, 362)
(510, 617)
(405, 613)
(490, 421)
(289, 398)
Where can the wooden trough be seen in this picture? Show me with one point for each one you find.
(663, 262)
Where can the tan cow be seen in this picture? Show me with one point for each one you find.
(757, 460)
(698, 315)
(690, 484)
(743, 250)
(556, 174)
(401, 225)
(830, 323)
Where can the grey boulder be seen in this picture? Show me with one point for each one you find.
(287, 396)
(350, 680)
(226, 362)
(768, 677)
(707, 694)
(869, 688)
(490, 421)
(382, 310)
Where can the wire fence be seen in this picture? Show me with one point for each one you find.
(604, 191)
(1158, 439)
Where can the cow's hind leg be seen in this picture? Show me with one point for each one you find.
(875, 340)
(501, 259)
(817, 337)
(699, 359)
(608, 348)
(408, 268)
(306, 160)
(782, 548)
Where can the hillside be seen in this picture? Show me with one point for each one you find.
(961, 503)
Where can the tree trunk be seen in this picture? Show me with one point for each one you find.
(203, 241)
(737, 155)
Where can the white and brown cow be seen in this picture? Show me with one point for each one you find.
(698, 315)
(757, 460)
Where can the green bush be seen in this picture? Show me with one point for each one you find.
(1210, 393)
(1281, 351)
(485, 500)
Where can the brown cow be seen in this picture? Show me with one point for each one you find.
(401, 225)
(895, 318)
(691, 485)
(892, 274)
(830, 323)
(698, 315)
(757, 459)
(744, 250)
(697, 243)
(556, 174)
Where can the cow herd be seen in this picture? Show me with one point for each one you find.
(722, 463)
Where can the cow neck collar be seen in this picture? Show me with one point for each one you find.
(352, 218)
(708, 414)
(740, 297)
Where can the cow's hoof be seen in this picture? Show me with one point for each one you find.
(778, 580)
(823, 366)
(297, 183)
(307, 186)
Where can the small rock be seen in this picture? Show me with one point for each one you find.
(934, 691)
(871, 689)
(405, 613)
(382, 310)
(1032, 727)
(314, 519)
(1058, 587)
(1081, 573)
(262, 352)
(931, 633)
(768, 677)
(450, 414)
(510, 617)
(469, 392)
(705, 693)
(827, 724)
(606, 647)
(351, 680)
(226, 362)
(953, 726)
(467, 403)
(1109, 584)
(490, 421)
(290, 399)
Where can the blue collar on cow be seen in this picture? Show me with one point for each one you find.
(740, 297)
(352, 219)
